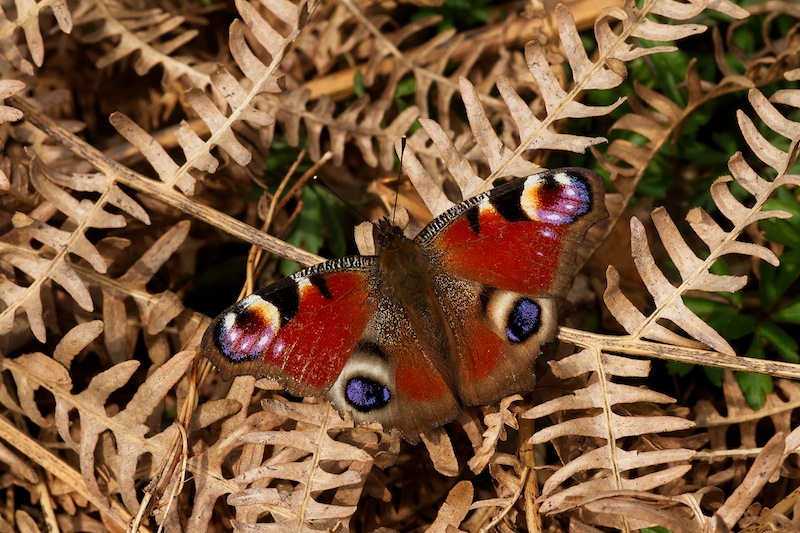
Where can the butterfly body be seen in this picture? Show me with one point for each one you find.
(455, 316)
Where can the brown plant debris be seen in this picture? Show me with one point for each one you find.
(141, 150)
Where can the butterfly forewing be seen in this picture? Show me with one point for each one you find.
(523, 235)
(300, 330)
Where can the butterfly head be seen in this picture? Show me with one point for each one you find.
(389, 235)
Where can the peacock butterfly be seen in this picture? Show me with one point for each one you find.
(455, 316)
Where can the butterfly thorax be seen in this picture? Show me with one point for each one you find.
(404, 265)
(408, 273)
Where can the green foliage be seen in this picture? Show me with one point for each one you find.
(319, 225)
(768, 322)
(460, 14)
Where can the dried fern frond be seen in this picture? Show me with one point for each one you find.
(260, 77)
(52, 262)
(605, 431)
(606, 71)
(695, 271)
(154, 33)
(728, 464)
(362, 122)
(684, 514)
(657, 118)
(323, 456)
(8, 114)
(25, 15)
(156, 311)
(33, 373)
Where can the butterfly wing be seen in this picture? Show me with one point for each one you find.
(299, 330)
(511, 251)
(330, 330)
(396, 377)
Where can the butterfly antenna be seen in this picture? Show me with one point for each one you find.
(350, 206)
(399, 176)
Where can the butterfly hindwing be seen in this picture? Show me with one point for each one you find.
(300, 330)
(396, 377)
(497, 335)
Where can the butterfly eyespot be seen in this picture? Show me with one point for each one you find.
(523, 321)
(557, 199)
(365, 394)
(244, 333)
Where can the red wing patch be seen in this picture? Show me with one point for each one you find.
(517, 256)
(300, 332)
(521, 236)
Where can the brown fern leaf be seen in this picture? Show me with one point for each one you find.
(605, 72)
(361, 122)
(597, 419)
(129, 426)
(728, 465)
(657, 118)
(778, 49)
(333, 33)
(33, 374)
(239, 95)
(427, 62)
(510, 477)
(155, 310)
(26, 16)
(8, 114)
(694, 271)
(51, 262)
(323, 455)
(680, 515)
(10, 88)
(154, 33)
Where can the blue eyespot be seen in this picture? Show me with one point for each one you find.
(365, 394)
(524, 320)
